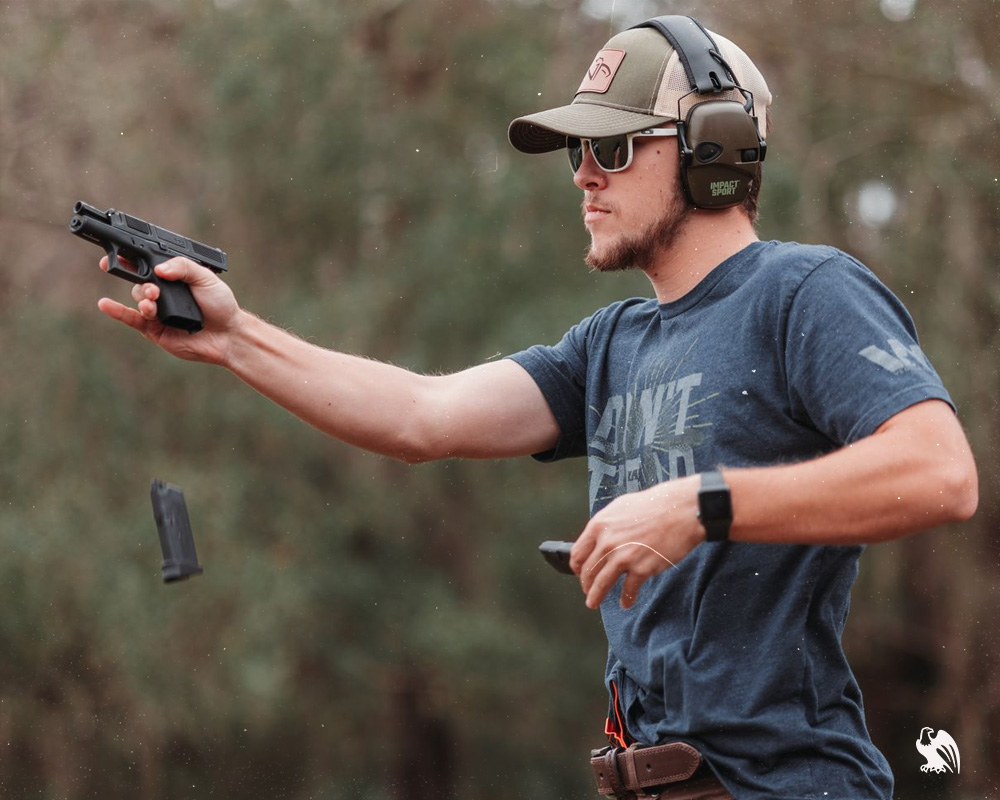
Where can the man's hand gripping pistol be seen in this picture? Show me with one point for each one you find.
(145, 245)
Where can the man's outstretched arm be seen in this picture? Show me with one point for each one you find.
(493, 410)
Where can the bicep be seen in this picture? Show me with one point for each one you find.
(928, 439)
(492, 410)
(928, 424)
(931, 429)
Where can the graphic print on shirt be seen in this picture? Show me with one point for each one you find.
(647, 435)
(901, 358)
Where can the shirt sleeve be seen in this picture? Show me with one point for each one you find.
(851, 353)
(561, 373)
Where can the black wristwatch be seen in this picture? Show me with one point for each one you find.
(715, 508)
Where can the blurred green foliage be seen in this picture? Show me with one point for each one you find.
(364, 628)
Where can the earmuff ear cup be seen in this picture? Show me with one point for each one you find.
(720, 152)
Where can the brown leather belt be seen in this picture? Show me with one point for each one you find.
(623, 772)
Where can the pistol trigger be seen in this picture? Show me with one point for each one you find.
(144, 269)
(115, 268)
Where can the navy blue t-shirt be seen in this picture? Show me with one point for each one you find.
(782, 353)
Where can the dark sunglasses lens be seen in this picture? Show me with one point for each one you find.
(611, 152)
(575, 149)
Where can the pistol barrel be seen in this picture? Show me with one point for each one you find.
(85, 209)
(98, 231)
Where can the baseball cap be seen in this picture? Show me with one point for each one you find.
(636, 81)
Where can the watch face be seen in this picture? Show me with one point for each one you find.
(715, 505)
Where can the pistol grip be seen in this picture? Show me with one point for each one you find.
(176, 306)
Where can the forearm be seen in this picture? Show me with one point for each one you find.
(365, 403)
(915, 474)
(492, 410)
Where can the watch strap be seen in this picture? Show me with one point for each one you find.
(715, 509)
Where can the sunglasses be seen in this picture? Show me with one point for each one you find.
(612, 153)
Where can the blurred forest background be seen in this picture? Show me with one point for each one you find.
(365, 629)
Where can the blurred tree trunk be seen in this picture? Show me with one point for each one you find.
(425, 753)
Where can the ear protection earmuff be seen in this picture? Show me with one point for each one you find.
(719, 140)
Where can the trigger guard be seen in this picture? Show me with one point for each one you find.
(116, 269)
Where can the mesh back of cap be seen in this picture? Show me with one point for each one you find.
(675, 85)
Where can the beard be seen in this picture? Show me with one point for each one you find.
(639, 250)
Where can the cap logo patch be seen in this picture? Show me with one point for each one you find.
(602, 71)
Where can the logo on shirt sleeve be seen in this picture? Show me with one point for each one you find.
(901, 357)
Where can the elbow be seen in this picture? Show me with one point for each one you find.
(413, 458)
(416, 438)
(967, 498)
(419, 442)
(432, 432)
(412, 451)
(960, 489)
(428, 448)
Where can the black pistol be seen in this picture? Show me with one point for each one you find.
(180, 560)
(145, 245)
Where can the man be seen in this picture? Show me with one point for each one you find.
(771, 398)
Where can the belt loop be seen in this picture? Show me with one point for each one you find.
(615, 777)
(628, 757)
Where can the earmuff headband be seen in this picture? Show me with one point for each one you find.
(697, 51)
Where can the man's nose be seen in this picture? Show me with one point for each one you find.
(590, 176)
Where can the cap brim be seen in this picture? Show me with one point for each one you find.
(547, 130)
